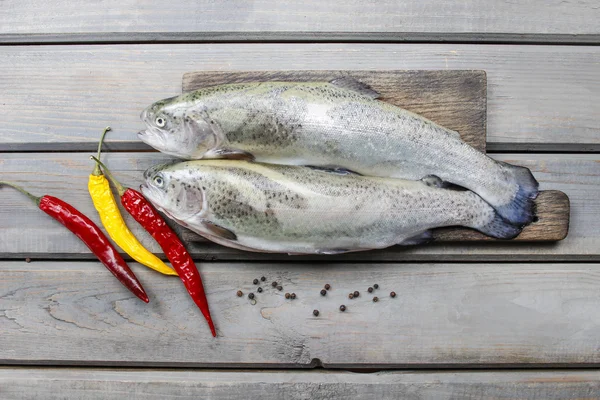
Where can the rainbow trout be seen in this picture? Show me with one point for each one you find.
(338, 124)
(302, 210)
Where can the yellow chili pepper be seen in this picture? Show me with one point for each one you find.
(112, 220)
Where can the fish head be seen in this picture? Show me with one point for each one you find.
(172, 193)
(177, 127)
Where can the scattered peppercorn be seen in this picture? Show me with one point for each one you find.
(255, 281)
(316, 313)
(327, 286)
(287, 295)
(323, 292)
(240, 293)
(293, 296)
(370, 290)
(259, 290)
(375, 299)
(356, 294)
(251, 296)
(274, 284)
(253, 302)
(393, 294)
(28, 260)
(376, 286)
(342, 308)
(262, 278)
(351, 296)
(279, 287)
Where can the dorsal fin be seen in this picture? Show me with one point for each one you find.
(349, 83)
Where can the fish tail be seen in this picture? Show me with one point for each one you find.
(499, 228)
(520, 210)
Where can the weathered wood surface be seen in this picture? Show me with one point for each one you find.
(545, 18)
(454, 99)
(27, 232)
(57, 97)
(147, 384)
(74, 313)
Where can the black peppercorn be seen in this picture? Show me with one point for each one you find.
(255, 281)
(393, 294)
(316, 313)
(251, 296)
(323, 292)
(342, 308)
(327, 286)
(375, 299)
(356, 294)
(376, 286)
(262, 278)
(240, 293)
(259, 290)
(279, 287)
(274, 284)
(293, 296)
(287, 295)
(351, 296)
(370, 290)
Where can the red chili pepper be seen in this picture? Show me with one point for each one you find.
(91, 235)
(147, 216)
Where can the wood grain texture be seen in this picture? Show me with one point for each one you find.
(454, 99)
(58, 97)
(411, 16)
(26, 232)
(148, 384)
(450, 315)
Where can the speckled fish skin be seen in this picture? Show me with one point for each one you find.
(337, 124)
(300, 210)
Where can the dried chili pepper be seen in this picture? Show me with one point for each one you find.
(144, 213)
(111, 218)
(91, 235)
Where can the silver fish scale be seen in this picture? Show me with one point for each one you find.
(298, 209)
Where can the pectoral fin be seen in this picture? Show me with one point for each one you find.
(356, 86)
(219, 231)
(231, 154)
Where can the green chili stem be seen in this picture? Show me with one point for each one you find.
(35, 199)
(120, 188)
(97, 171)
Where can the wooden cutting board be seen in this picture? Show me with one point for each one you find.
(454, 99)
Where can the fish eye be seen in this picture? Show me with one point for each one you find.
(160, 122)
(158, 181)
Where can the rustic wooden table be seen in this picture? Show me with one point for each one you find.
(511, 320)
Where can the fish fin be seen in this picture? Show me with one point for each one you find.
(349, 83)
(433, 181)
(421, 238)
(231, 154)
(219, 231)
(338, 171)
(454, 134)
(520, 211)
(499, 228)
(333, 251)
(436, 181)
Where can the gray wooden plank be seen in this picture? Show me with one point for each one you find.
(57, 97)
(444, 315)
(27, 232)
(412, 16)
(454, 99)
(296, 37)
(149, 384)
